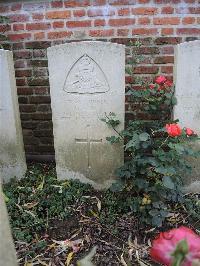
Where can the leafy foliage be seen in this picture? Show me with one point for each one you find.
(156, 159)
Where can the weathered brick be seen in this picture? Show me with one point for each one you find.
(144, 21)
(58, 14)
(58, 24)
(59, 34)
(79, 13)
(146, 70)
(145, 31)
(124, 12)
(188, 31)
(77, 3)
(121, 22)
(164, 60)
(23, 73)
(78, 24)
(98, 2)
(18, 18)
(16, 7)
(38, 45)
(167, 10)
(21, 82)
(24, 91)
(19, 37)
(37, 16)
(27, 108)
(40, 99)
(57, 4)
(22, 54)
(167, 69)
(144, 11)
(101, 33)
(99, 22)
(38, 26)
(39, 35)
(4, 8)
(100, 12)
(166, 21)
(18, 27)
(37, 82)
(122, 32)
(38, 63)
(168, 40)
(188, 20)
(122, 2)
(43, 133)
(167, 31)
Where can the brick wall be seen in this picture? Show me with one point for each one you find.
(36, 25)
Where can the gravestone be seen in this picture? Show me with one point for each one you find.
(86, 81)
(12, 157)
(7, 250)
(187, 90)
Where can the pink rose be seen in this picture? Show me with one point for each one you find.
(189, 131)
(173, 130)
(166, 243)
(160, 80)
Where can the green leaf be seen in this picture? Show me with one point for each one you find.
(167, 182)
(144, 136)
(117, 186)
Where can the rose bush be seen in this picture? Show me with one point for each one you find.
(176, 247)
(156, 151)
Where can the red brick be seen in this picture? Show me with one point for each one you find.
(18, 27)
(22, 54)
(167, 69)
(38, 26)
(57, 4)
(19, 18)
(23, 73)
(167, 1)
(39, 35)
(167, 31)
(143, 1)
(188, 20)
(5, 27)
(59, 34)
(144, 31)
(100, 12)
(38, 16)
(21, 82)
(16, 7)
(79, 13)
(194, 10)
(168, 40)
(78, 24)
(167, 50)
(4, 9)
(188, 31)
(19, 37)
(144, 21)
(144, 11)
(24, 91)
(167, 10)
(58, 24)
(122, 32)
(121, 2)
(101, 33)
(58, 14)
(20, 64)
(164, 59)
(124, 12)
(166, 21)
(77, 3)
(99, 22)
(146, 70)
(121, 22)
(98, 2)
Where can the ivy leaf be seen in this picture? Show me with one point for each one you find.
(144, 136)
(117, 186)
(167, 182)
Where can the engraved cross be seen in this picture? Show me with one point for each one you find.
(88, 141)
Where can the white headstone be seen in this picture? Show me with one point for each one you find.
(187, 110)
(87, 80)
(7, 251)
(12, 157)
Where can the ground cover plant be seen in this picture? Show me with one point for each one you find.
(55, 223)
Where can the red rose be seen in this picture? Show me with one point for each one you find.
(168, 83)
(151, 86)
(160, 80)
(173, 130)
(164, 246)
(189, 131)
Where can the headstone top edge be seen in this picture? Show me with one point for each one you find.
(82, 43)
(2, 51)
(188, 44)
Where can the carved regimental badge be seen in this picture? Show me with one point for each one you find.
(86, 77)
